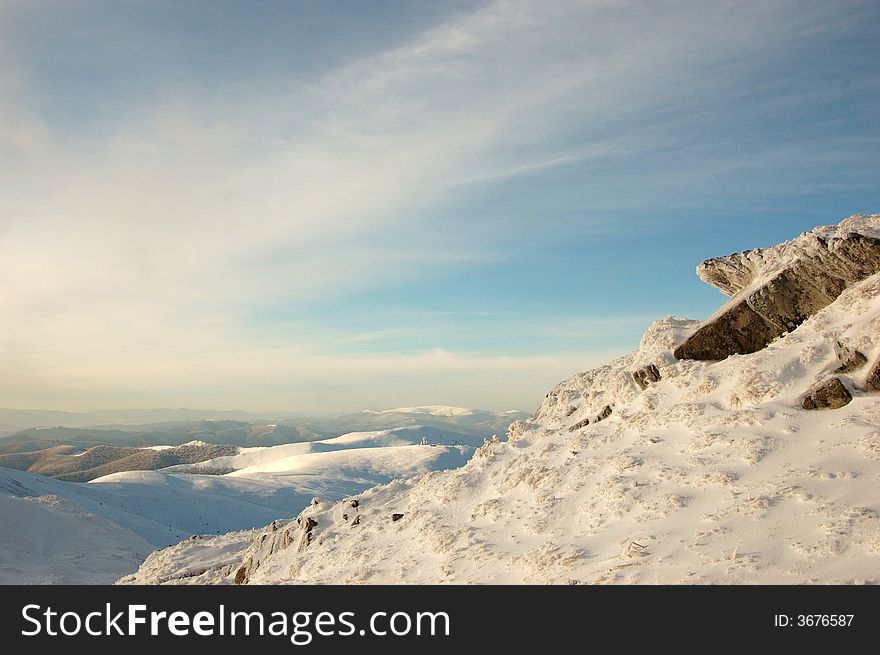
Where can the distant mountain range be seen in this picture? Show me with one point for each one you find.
(68, 532)
(179, 473)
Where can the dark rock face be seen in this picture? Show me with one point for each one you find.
(580, 424)
(815, 272)
(849, 359)
(306, 528)
(740, 330)
(645, 376)
(872, 381)
(605, 413)
(396, 517)
(827, 395)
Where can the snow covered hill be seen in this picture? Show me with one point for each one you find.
(55, 531)
(654, 468)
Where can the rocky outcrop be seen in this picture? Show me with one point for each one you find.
(831, 394)
(872, 381)
(848, 358)
(279, 536)
(580, 424)
(306, 525)
(645, 376)
(776, 289)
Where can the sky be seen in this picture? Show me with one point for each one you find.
(333, 206)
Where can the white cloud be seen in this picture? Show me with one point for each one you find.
(138, 251)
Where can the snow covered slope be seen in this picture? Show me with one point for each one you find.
(49, 540)
(651, 469)
(64, 531)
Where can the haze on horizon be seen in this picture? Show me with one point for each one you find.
(335, 206)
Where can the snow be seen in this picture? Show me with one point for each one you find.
(194, 442)
(47, 540)
(134, 512)
(432, 410)
(714, 474)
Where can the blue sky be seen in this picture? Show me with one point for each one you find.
(340, 205)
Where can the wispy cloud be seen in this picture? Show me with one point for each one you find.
(143, 246)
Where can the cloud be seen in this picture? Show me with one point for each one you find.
(145, 244)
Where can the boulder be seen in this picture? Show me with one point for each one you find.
(830, 394)
(776, 289)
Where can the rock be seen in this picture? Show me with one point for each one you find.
(241, 575)
(305, 532)
(645, 376)
(830, 394)
(736, 332)
(354, 502)
(357, 520)
(580, 424)
(396, 517)
(571, 410)
(605, 413)
(776, 289)
(849, 359)
(872, 381)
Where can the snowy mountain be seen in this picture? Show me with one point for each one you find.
(57, 531)
(741, 449)
(472, 421)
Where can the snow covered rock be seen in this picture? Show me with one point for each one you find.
(776, 289)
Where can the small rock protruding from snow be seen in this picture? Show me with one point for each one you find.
(831, 394)
(872, 381)
(580, 424)
(306, 527)
(849, 359)
(646, 375)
